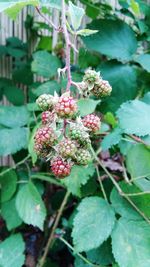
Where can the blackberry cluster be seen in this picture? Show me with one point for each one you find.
(93, 84)
(64, 137)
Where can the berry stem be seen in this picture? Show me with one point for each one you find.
(68, 45)
(50, 239)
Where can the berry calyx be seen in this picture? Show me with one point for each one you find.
(92, 122)
(91, 77)
(102, 89)
(45, 136)
(66, 107)
(67, 148)
(78, 133)
(47, 117)
(60, 167)
(46, 102)
(83, 156)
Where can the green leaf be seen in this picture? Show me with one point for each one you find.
(45, 64)
(13, 140)
(86, 59)
(131, 243)
(135, 7)
(13, 116)
(80, 263)
(8, 183)
(87, 106)
(138, 165)
(10, 214)
(124, 208)
(92, 224)
(76, 14)
(78, 177)
(144, 61)
(134, 118)
(14, 9)
(11, 251)
(14, 95)
(30, 206)
(101, 255)
(47, 88)
(86, 32)
(112, 139)
(23, 74)
(45, 43)
(114, 34)
(123, 80)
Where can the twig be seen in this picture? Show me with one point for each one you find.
(118, 187)
(78, 254)
(48, 20)
(15, 166)
(125, 174)
(68, 45)
(138, 139)
(101, 184)
(42, 261)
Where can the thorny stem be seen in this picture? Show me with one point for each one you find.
(68, 45)
(101, 184)
(118, 187)
(50, 239)
(78, 254)
(15, 166)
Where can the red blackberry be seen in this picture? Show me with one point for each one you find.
(92, 122)
(60, 167)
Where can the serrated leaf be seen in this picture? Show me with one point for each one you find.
(14, 95)
(124, 208)
(86, 32)
(138, 165)
(51, 3)
(144, 61)
(92, 224)
(14, 7)
(10, 214)
(112, 33)
(122, 78)
(131, 243)
(13, 116)
(30, 206)
(47, 88)
(78, 177)
(134, 118)
(80, 263)
(87, 106)
(12, 251)
(8, 184)
(112, 139)
(13, 140)
(45, 64)
(76, 14)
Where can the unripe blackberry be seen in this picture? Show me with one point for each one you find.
(67, 148)
(66, 107)
(91, 77)
(102, 89)
(83, 156)
(92, 122)
(78, 133)
(60, 167)
(40, 150)
(48, 117)
(45, 102)
(45, 136)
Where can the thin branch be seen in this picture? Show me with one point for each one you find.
(47, 20)
(50, 239)
(101, 184)
(118, 187)
(125, 174)
(78, 254)
(15, 166)
(138, 139)
(68, 45)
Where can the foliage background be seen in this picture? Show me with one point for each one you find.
(120, 50)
